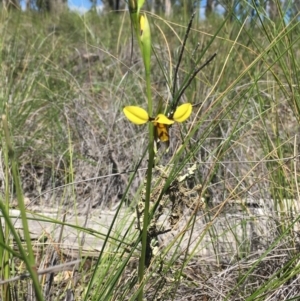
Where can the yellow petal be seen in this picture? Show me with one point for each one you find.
(145, 41)
(136, 115)
(183, 112)
(142, 24)
(161, 118)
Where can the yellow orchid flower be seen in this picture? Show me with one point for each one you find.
(161, 122)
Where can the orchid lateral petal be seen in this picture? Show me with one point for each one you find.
(136, 115)
(183, 112)
(161, 118)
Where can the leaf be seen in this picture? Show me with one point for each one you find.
(183, 112)
(133, 10)
(136, 115)
(140, 3)
(161, 118)
(133, 6)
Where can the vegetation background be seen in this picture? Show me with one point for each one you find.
(66, 147)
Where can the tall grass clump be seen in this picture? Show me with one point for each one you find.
(166, 150)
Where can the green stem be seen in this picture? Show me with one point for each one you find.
(6, 237)
(148, 190)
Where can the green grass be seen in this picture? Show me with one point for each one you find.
(64, 82)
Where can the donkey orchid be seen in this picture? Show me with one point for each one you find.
(161, 122)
